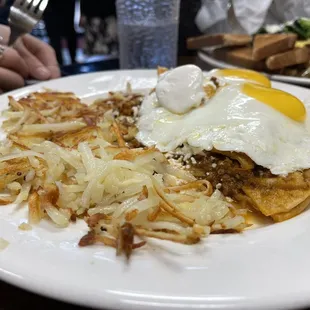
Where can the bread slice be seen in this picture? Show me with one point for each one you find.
(286, 59)
(265, 45)
(224, 39)
(240, 57)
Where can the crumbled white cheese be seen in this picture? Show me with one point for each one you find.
(214, 165)
(187, 156)
(194, 162)
(135, 111)
(176, 163)
(218, 185)
(115, 113)
(228, 199)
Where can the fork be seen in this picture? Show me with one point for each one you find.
(24, 15)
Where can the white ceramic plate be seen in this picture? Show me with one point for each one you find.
(263, 268)
(276, 77)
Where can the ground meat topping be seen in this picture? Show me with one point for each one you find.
(224, 172)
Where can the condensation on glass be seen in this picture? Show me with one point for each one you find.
(148, 33)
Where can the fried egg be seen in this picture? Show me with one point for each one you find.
(244, 115)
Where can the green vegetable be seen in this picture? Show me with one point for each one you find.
(299, 26)
(303, 24)
(262, 30)
(295, 29)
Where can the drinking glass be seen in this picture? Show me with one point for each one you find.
(148, 33)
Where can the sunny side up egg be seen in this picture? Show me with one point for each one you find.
(244, 115)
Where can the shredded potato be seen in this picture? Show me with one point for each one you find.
(70, 161)
(3, 244)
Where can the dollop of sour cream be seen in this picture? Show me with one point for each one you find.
(181, 89)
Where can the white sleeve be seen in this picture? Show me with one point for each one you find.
(210, 13)
(251, 14)
(286, 10)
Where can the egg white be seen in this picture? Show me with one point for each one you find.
(230, 121)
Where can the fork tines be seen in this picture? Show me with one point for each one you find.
(36, 7)
(24, 15)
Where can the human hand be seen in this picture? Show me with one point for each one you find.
(13, 69)
(39, 57)
(30, 58)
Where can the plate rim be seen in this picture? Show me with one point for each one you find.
(44, 84)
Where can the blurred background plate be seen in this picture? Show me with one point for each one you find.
(211, 61)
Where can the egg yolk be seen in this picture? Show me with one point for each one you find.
(245, 75)
(284, 102)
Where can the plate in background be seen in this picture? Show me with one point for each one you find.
(211, 61)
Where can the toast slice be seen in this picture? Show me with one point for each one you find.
(287, 59)
(223, 39)
(265, 45)
(240, 57)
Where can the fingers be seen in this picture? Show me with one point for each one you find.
(10, 80)
(40, 57)
(10, 59)
(36, 68)
(4, 34)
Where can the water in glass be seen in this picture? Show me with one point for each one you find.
(148, 33)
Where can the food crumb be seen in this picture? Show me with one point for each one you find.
(3, 244)
(135, 111)
(73, 217)
(25, 226)
(218, 185)
(214, 165)
(115, 113)
(215, 81)
(194, 162)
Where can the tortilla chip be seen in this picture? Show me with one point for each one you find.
(245, 161)
(295, 180)
(280, 217)
(271, 201)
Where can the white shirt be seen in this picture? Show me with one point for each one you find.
(247, 16)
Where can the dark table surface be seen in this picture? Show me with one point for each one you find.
(13, 298)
